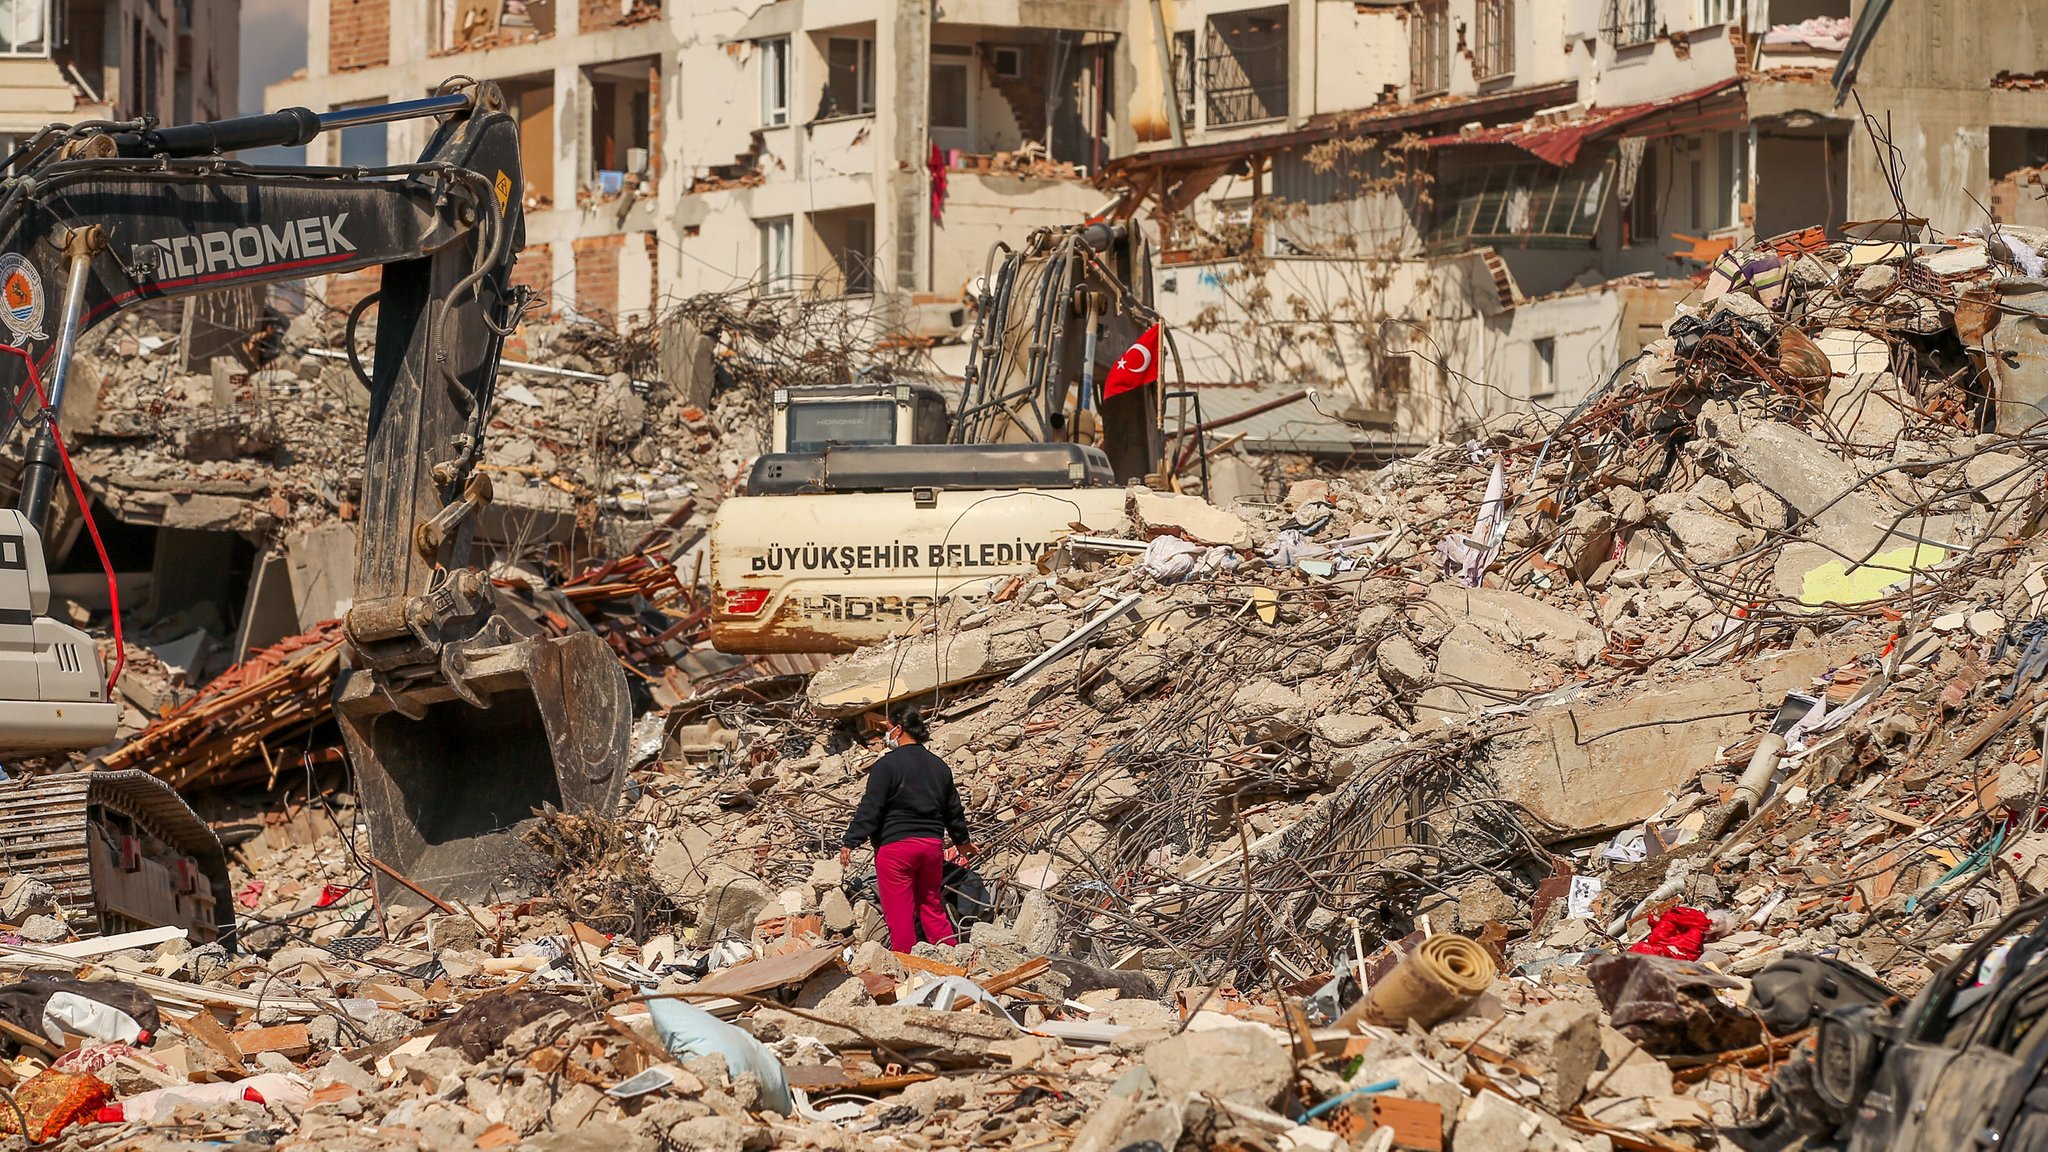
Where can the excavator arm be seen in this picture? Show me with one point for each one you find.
(460, 716)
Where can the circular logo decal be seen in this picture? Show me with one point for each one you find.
(21, 293)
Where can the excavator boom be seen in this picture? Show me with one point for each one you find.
(460, 715)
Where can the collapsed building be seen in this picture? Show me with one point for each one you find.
(1484, 799)
(1562, 729)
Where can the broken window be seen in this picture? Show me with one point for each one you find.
(1394, 374)
(1184, 76)
(621, 124)
(1543, 378)
(775, 81)
(952, 96)
(467, 25)
(1644, 206)
(23, 31)
(532, 99)
(849, 238)
(1531, 204)
(2015, 148)
(775, 268)
(849, 77)
(1244, 67)
(1631, 22)
(1493, 54)
(1429, 48)
(1725, 13)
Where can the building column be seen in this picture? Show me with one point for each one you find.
(903, 47)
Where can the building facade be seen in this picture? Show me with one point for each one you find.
(1437, 210)
(1429, 210)
(63, 61)
(864, 149)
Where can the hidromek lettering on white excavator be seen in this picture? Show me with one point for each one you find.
(251, 247)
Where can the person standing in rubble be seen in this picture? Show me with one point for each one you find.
(909, 809)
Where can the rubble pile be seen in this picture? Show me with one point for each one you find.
(1481, 802)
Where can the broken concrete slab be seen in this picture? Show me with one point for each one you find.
(876, 676)
(1707, 537)
(1189, 517)
(948, 1039)
(1867, 408)
(1472, 673)
(1558, 1042)
(1603, 764)
(1517, 619)
(322, 564)
(1816, 482)
(1401, 664)
(1244, 1065)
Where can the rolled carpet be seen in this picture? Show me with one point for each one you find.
(1440, 979)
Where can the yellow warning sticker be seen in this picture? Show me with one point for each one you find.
(504, 190)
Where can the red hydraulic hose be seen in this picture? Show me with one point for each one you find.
(35, 381)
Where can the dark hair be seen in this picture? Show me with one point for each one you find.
(912, 723)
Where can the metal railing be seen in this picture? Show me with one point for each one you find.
(1631, 22)
(1247, 84)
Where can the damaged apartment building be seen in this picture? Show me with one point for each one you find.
(72, 60)
(869, 151)
(1442, 209)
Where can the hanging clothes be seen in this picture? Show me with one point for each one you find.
(936, 165)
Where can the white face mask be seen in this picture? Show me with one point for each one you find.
(889, 738)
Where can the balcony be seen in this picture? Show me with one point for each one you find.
(1242, 69)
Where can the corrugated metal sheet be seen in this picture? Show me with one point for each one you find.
(1559, 144)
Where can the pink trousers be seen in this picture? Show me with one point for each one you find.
(907, 876)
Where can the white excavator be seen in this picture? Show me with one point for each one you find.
(462, 716)
(843, 536)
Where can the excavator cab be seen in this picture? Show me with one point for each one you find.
(462, 714)
(52, 694)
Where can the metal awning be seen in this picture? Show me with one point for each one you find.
(1559, 143)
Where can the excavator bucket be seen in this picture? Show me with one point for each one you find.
(446, 789)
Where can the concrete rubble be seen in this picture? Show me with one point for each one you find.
(1402, 711)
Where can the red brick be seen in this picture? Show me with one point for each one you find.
(358, 34)
(597, 276)
(344, 290)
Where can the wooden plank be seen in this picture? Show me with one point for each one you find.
(1022, 973)
(100, 946)
(204, 1028)
(774, 972)
(28, 1039)
(284, 1039)
(833, 1078)
(935, 967)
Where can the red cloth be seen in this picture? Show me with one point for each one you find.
(1137, 367)
(908, 876)
(1680, 933)
(52, 1101)
(936, 164)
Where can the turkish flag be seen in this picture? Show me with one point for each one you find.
(1137, 367)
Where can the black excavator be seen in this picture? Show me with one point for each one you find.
(461, 715)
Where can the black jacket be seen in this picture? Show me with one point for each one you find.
(910, 794)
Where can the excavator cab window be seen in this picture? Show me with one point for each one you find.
(813, 427)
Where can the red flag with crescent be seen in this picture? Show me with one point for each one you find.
(1137, 367)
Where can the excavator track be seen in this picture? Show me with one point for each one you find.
(122, 847)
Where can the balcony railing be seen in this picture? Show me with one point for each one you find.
(1246, 85)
